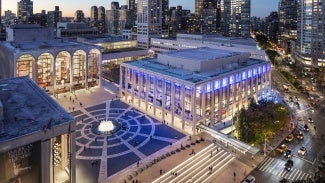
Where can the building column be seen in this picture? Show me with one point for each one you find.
(139, 84)
(212, 108)
(183, 105)
(147, 91)
(100, 66)
(154, 94)
(121, 80)
(163, 98)
(193, 112)
(46, 162)
(72, 157)
(133, 86)
(71, 72)
(87, 72)
(203, 103)
(172, 101)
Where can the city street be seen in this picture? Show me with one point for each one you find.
(272, 169)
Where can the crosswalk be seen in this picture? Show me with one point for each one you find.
(196, 169)
(276, 168)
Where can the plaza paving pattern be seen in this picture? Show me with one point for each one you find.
(101, 156)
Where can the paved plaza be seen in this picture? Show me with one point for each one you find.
(141, 150)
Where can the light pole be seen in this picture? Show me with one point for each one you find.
(264, 144)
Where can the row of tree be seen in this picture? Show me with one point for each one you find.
(260, 120)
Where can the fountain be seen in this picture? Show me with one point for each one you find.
(106, 127)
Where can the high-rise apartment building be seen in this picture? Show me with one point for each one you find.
(93, 13)
(101, 20)
(24, 10)
(119, 18)
(53, 17)
(310, 44)
(149, 21)
(287, 22)
(79, 16)
(208, 14)
(132, 4)
(235, 17)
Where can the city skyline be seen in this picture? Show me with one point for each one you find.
(260, 8)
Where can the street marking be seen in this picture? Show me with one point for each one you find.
(265, 164)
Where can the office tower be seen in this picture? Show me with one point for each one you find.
(310, 48)
(53, 17)
(101, 20)
(24, 10)
(207, 12)
(235, 17)
(271, 27)
(164, 14)
(94, 13)
(118, 19)
(79, 16)
(287, 22)
(132, 5)
(177, 20)
(149, 21)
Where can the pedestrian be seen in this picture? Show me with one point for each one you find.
(72, 109)
(234, 174)
(190, 137)
(70, 98)
(160, 171)
(138, 164)
(80, 104)
(224, 123)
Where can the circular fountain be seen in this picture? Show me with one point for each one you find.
(106, 127)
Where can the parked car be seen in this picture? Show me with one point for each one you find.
(300, 136)
(302, 151)
(288, 153)
(306, 128)
(249, 179)
(288, 165)
(282, 148)
(289, 138)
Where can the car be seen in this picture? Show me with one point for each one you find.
(288, 153)
(282, 148)
(249, 179)
(302, 151)
(306, 128)
(323, 160)
(300, 136)
(288, 165)
(289, 138)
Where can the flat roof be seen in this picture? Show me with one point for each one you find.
(188, 76)
(201, 54)
(43, 44)
(28, 109)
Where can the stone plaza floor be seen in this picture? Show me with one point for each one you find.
(134, 152)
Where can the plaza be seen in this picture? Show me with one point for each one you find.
(114, 158)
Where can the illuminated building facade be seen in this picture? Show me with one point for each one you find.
(194, 86)
(56, 65)
(310, 44)
(37, 136)
(149, 21)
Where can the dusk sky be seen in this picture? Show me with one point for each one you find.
(260, 8)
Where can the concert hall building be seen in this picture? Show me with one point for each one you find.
(194, 86)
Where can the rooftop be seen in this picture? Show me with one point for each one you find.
(44, 44)
(201, 54)
(28, 109)
(218, 66)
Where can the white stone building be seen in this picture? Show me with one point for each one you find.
(194, 86)
(56, 65)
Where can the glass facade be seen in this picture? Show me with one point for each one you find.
(62, 72)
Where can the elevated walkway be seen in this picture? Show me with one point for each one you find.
(229, 141)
